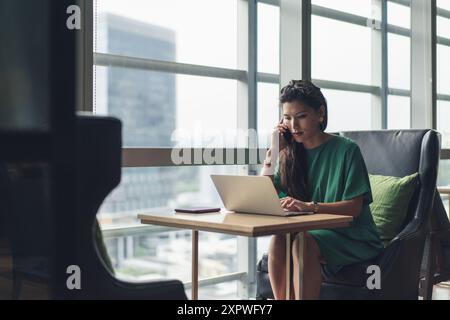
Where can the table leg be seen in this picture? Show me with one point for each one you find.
(288, 266)
(194, 288)
(301, 252)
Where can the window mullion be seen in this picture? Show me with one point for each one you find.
(423, 48)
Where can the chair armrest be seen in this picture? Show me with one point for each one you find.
(440, 234)
(153, 290)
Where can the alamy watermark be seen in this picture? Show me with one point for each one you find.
(374, 280)
(73, 281)
(203, 146)
(73, 22)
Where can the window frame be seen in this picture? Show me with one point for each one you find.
(440, 12)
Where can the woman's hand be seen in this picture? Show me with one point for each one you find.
(292, 204)
(278, 140)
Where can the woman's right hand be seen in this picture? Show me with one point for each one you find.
(278, 139)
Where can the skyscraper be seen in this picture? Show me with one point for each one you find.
(145, 102)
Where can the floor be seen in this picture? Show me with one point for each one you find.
(441, 291)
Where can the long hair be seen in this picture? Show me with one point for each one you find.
(293, 162)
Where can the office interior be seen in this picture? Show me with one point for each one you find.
(98, 95)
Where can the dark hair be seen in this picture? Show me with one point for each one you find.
(293, 163)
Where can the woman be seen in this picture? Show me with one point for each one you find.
(323, 173)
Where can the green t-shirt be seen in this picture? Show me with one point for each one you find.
(337, 172)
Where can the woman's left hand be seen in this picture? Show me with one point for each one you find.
(292, 204)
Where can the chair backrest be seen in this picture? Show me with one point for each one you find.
(30, 267)
(400, 153)
(99, 145)
(100, 158)
(26, 231)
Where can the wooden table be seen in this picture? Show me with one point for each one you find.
(249, 225)
(446, 190)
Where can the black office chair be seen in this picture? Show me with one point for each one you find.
(391, 153)
(100, 153)
(29, 232)
(25, 230)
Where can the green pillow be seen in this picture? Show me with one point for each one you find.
(391, 197)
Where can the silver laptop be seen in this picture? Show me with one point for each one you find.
(251, 194)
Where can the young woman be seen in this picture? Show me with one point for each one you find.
(323, 173)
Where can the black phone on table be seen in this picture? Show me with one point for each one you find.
(197, 209)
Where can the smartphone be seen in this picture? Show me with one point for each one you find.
(197, 210)
(287, 135)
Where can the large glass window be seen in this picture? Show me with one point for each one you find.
(161, 109)
(268, 62)
(399, 15)
(169, 71)
(399, 47)
(166, 96)
(340, 51)
(268, 111)
(444, 181)
(443, 90)
(443, 122)
(399, 112)
(399, 61)
(443, 67)
(348, 111)
(444, 4)
(443, 27)
(358, 7)
(144, 189)
(157, 252)
(172, 30)
(268, 38)
(399, 65)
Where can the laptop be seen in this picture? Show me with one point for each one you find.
(251, 194)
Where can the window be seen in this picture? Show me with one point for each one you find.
(268, 89)
(342, 61)
(443, 89)
(358, 7)
(399, 15)
(443, 65)
(443, 27)
(158, 252)
(161, 187)
(444, 4)
(173, 30)
(443, 123)
(399, 112)
(268, 38)
(444, 180)
(220, 291)
(159, 109)
(399, 65)
(268, 111)
(338, 56)
(175, 78)
(347, 111)
(268, 62)
(399, 61)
